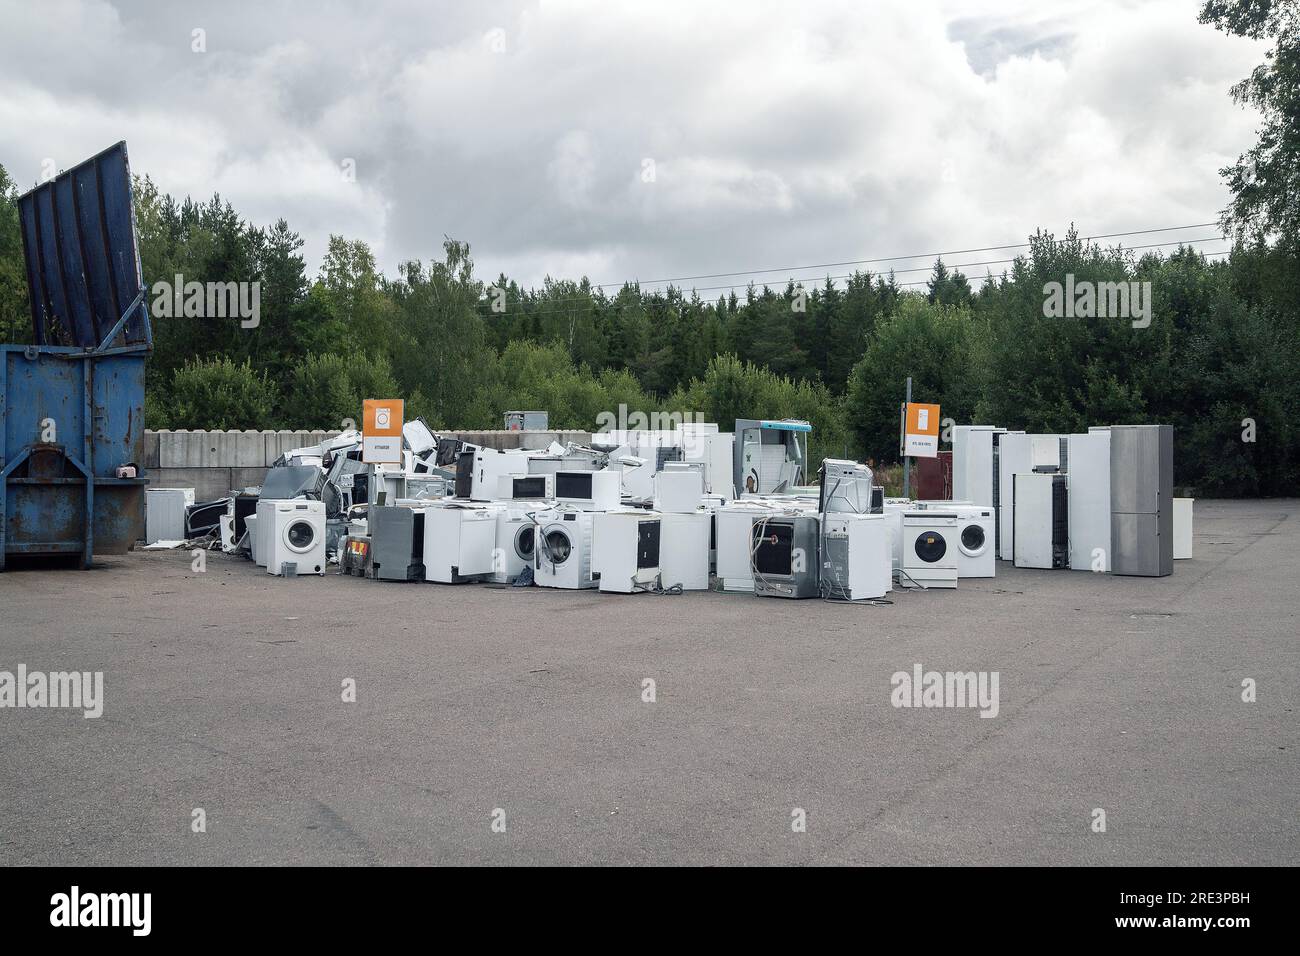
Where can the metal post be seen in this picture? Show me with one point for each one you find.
(907, 462)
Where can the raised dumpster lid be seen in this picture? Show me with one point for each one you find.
(82, 257)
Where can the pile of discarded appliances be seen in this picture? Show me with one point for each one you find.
(657, 511)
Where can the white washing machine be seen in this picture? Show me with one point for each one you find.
(976, 542)
(562, 551)
(930, 548)
(516, 537)
(458, 543)
(297, 536)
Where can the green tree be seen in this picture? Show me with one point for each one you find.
(732, 389)
(15, 311)
(215, 394)
(323, 390)
(440, 339)
(1265, 199)
(938, 346)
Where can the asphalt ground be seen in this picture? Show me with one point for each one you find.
(223, 691)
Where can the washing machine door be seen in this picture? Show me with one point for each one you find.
(299, 535)
(525, 538)
(556, 546)
(930, 546)
(974, 540)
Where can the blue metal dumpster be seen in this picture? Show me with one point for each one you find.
(72, 405)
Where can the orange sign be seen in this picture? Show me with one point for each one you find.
(920, 430)
(381, 431)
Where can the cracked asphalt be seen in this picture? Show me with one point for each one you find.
(223, 692)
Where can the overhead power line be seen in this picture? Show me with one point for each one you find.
(918, 255)
(952, 267)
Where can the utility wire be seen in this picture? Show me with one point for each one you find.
(919, 255)
(818, 279)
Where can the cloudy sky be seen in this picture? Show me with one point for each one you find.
(644, 140)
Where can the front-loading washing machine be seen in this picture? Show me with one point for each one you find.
(562, 551)
(297, 537)
(930, 548)
(976, 545)
(516, 540)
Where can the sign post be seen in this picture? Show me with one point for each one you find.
(902, 434)
(918, 435)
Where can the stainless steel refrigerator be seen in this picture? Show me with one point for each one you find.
(1141, 500)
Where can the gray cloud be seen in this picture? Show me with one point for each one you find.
(776, 134)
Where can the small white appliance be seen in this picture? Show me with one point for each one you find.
(1040, 503)
(845, 487)
(252, 540)
(975, 541)
(857, 563)
(297, 538)
(929, 548)
(684, 550)
(164, 513)
(458, 543)
(486, 467)
(228, 543)
(702, 442)
(526, 487)
(544, 464)
(265, 529)
(636, 474)
(625, 550)
(679, 490)
(734, 542)
(589, 490)
(562, 555)
(892, 511)
(516, 540)
(1182, 528)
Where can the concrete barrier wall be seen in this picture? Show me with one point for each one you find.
(214, 463)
